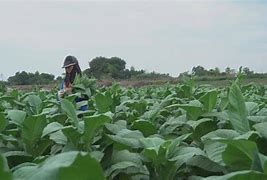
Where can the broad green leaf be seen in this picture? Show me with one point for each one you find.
(184, 90)
(125, 167)
(9, 138)
(117, 126)
(97, 155)
(7, 98)
(153, 112)
(125, 162)
(16, 153)
(237, 110)
(72, 97)
(202, 127)
(223, 102)
(239, 154)
(262, 112)
(42, 146)
(252, 108)
(16, 116)
(193, 110)
(139, 106)
(5, 174)
(171, 125)
(15, 158)
(92, 124)
(240, 175)
(34, 104)
(183, 154)
(84, 167)
(146, 127)
(26, 173)
(221, 116)
(152, 143)
(70, 110)
(3, 122)
(251, 135)
(258, 163)
(209, 100)
(175, 143)
(220, 134)
(128, 138)
(158, 155)
(72, 134)
(58, 137)
(257, 119)
(51, 128)
(156, 109)
(214, 151)
(265, 165)
(60, 118)
(205, 163)
(125, 155)
(32, 129)
(262, 129)
(103, 102)
(49, 169)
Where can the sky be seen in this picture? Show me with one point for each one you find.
(162, 36)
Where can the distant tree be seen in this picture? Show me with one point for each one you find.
(101, 66)
(132, 69)
(45, 78)
(19, 78)
(228, 70)
(1, 77)
(24, 78)
(183, 74)
(59, 79)
(115, 67)
(217, 71)
(247, 71)
(199, 71)
(127, 74)
(211, 72)
(117, 63)
(98, 66)
(233, 71)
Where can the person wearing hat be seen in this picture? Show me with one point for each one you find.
(72, 69)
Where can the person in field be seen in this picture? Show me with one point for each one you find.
(72, 69)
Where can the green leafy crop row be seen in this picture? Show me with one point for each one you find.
(174, 132)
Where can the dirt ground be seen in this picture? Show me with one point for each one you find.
(124, 83)
(141, 83)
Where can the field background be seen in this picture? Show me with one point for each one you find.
(141, 83)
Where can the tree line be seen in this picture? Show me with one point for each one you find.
(99, 68)
(115, 68)
(27, 78)
(200, 72)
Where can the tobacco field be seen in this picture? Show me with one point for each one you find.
(169, 132)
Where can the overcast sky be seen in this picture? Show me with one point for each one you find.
(167, 37)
